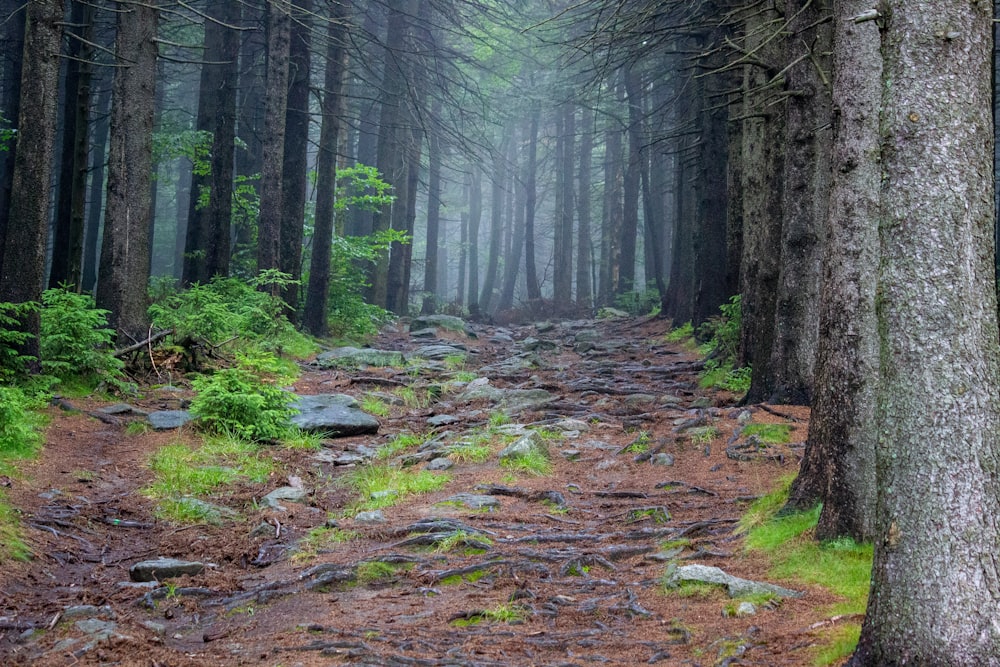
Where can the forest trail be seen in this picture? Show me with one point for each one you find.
(563, 568)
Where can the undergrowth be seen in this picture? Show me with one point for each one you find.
(383, 486)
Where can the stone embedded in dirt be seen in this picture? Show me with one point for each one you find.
(263, 529)
(121, 409)
(501, 338)
(437, 352)
(600, 444)
(209, 512)
(662, 459)
(439, 464)
(511, 400)
(511, 365)
(587, 336)
(97, 628)
(441, 321)
(429, 332)
(292, 494)
(570, 454)
(473, 501)
(88, 611)
(349, 459)
(159, 569)
(670, 399)
(735, 586)
(639, 399)
(577, 425)
(164, 420)
(702, 402)
(334, 415)
(607, 313)
(355, 356)
(372, 517)
(607, 464)
(534, 344)
(543, 327)
(527, 445)
(442, 420)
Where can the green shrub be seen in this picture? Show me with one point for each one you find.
(75, 340)
(723, 331)
(237, 401)
(20, 425)
(12, 363)
(637, 303)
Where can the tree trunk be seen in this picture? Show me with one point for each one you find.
(584, 256)
(631, 185)
(806, 193)
(12, 37)
(530, 202)
(475, 217)
(611, 221)
(936, 578)
(23, 274)
(562, 254)
(433, 219)
(762, 158)
(839, 468)
(125, 257)
(294, 164)
(276, 103)
(315, 315)
(498, 181)
(67, 242)
(98, 159)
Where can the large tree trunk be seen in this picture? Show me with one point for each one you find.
(806, 193)
(125, 257)
(23, 273)
(631, 186)
(762, 157)
(936, 577)
(95, 197)
(839, 468)
(611, 220)
(498, 181)
(296, 151)
(67, 242)
(431, 294)
(584, 256)
(562, 255)
(12, 38)
(276, 104)
(530, 202)
(475, 217)
(315, 315)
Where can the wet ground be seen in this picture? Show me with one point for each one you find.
(559, 569)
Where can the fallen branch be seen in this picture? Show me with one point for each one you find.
(149, 341)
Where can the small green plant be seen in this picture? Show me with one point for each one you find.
(374, 405)
(20, 424)
(463, 376)
(704, 435)
(641, 443)
(503, 613)
(296, 439)
(693, 589)
(413, 398)
(376, 571)
(839, 645)
(470, 578)
(461, 538)
(454, 362)
(75, 342)
(383, 486)
(681, 334)
(12, 363)
(401, 442)
(778, 434)
(319, 538)
(138, 427)
(638, 303)
(499, 418)
(236, 401)
(470, 452)
(12, 544)
(532, 462)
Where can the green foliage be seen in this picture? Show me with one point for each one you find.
(502, 613)
(383, 486)
(400, 443)
(320, 538)
(470, 452)
(12, 363)
(374, 405)
(681, 334)
(237, 401)
(361, 187)
(637, 303)
(374, 571)
(8, 134)
(20, 425)
(230, 309)
(532, 462)
(774, 433)
(839, 645)
(736, 380)
(722, 334)
(195, 145)
(12, 544)
(75, 341)
(350, 316)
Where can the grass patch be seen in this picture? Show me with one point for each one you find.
(693, 589)
(777, 434)
(12, 544)
(502, 613)
(400, 443)
(319, 538)
(298, 439)
(454, 361)
(138, 427)
(840, 644)
(374, 405)
(470, 578)
(641, 443)
(470, 452)
(412, 398)
(461, 538)
(724, 376)
(532, 462)
(499, 418)
(382, 486)
(463, 376)
(841, 566)
(375, 571)
(181, 471)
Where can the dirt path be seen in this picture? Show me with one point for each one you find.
(564, 569)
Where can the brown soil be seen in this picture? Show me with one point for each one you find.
(587, 577)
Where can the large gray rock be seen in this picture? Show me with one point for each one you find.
(355, 356)
(164, 420)
(735, 586)
(292, 494)
(511, 400)
(528, 444)
(440, 321)
(334, 415)
(473, 501)
(436, 352)
(159, 569)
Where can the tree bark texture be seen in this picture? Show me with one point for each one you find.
(762, 157)
(430, 299)
(98, 155)
(275, 104)
(611, 220)
(534, 289)
(839, 465)
(12, 37)
(584, 256)
(631, 184)
(936, 576)
(124, 270)
(317, 293)
(23, 273)
(805, 196)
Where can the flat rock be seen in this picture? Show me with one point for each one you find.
(534, 344)
(292, 494)
(440, 321)
(159, 569)
(528, 444)
(121, 409)
(440, 463)
(209, 512)
(334, 415)
(165, 420)
(735, 586)
(371, 517)
(511, 400)
(473, 501)
(662, 459)
(356, 356)
(442, 420)
(429, 332)
(437, 352)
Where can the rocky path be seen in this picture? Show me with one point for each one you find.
(498, 566)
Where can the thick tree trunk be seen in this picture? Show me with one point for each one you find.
(512, 262)
(95, 198)
(296, 152)
(276, 103)
(431, 297)
(584, 256)
(936, 577)
(611, 220)
(125, 257)
(762, 157)
(631, 185)
(839, 468)
(498, 182)
(67, 241)
(475, 217)
(23, 274)
(12, 37)
(562, 270)
(315, 315)
(806, 193)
